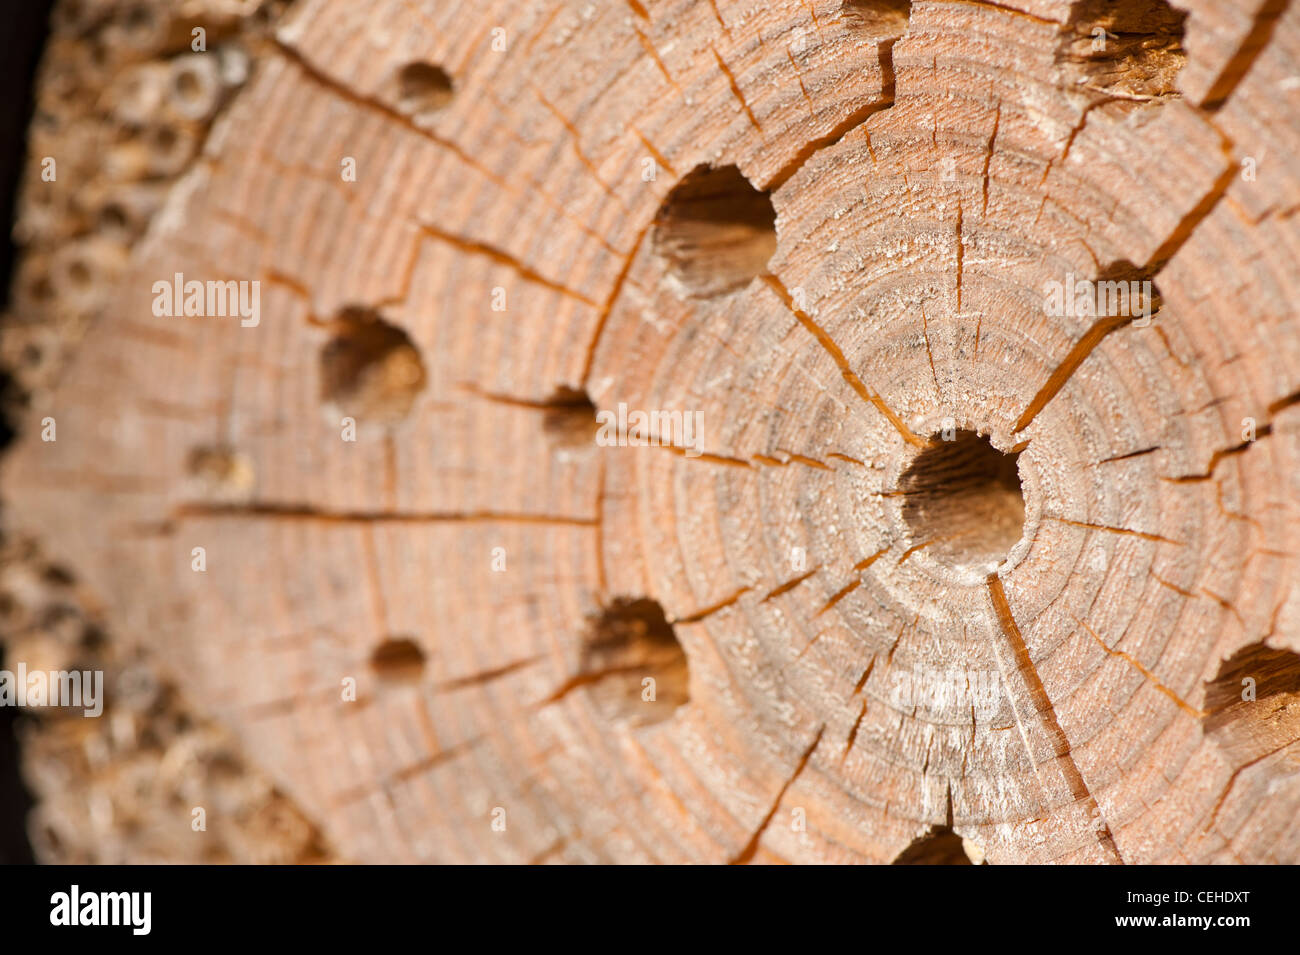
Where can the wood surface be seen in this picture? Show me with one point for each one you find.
(913, 483)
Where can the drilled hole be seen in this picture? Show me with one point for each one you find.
(963, 502)
(940, 846)
(397, 658)
(140, 24)
(715, 231)
(879, 19)
(632, 642)
(79, 273)
(40, 287)
(187, 84)
(221, 471)
(423, 88)
(58, 575)
(1254, 701)
(1136, 59)
(570, 418)
(113, 217)
(370, 369)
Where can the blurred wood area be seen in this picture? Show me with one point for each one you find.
(122, 788)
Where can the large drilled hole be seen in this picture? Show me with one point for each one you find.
(715, 231)
(1254, 701)
(963, 502)
(940, 846)
(630, 643)
(1126, 50)
(423, 88)
(879, 19)
(370, 369)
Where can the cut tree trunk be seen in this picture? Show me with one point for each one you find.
(940, 543)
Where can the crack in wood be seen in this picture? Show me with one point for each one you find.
(1115, 530)
(790, 585)
(837, 356)
(735, 87)
(603, 318)
(1151, 677)
(746, 855)
(698, 615)
(500, 257)
(300, 512)
(1014, 661)
(1252, 45)
(324, 80)
(486, 676)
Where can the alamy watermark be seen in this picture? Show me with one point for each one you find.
(639, 429)
(75, 907)
(1100, 298)
(211, 299)
(950, 690)
(77, 689)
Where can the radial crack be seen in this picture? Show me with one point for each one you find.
(299, 512)
(1107, 324)
(1129, 658)
(524, 271)
(735, 87)
(790, 585)
(842, 129)
(608, 307)
(485, 676)
(1117, 530)
(747, 854)
(722, 604)
(1018, 671)
(840, 595)
(1252, 44)
(837, 356)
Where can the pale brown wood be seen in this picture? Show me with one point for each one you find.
(953, 578)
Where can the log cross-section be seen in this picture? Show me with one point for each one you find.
(724, 430)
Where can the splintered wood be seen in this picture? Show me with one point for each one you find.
(724, 431)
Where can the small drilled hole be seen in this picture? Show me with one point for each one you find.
(41, 288)
(397, 658)
(715, 231)
(79, 273)
(1130, 50)
(140, 24)
(113, 217)
(423, 88)
(963, 502)
(187, 84)
(221, 470)
(58, 575)
(632, 642)
(370, 369)
(164, 138)
(879, 19)
(570, 418)
(939, 846)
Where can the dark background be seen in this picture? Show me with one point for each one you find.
(23, 28)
